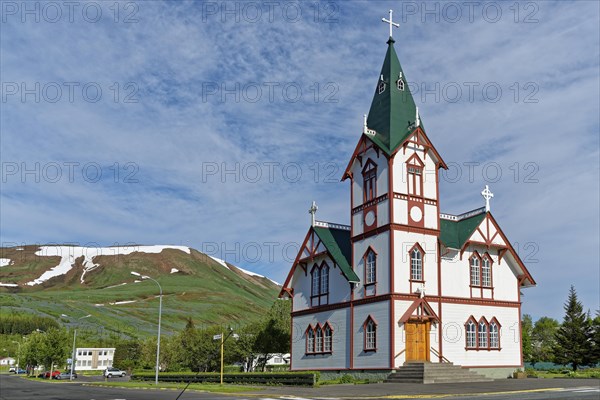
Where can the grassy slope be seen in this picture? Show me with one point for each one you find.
(203, 290)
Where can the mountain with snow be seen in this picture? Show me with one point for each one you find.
(63, 281)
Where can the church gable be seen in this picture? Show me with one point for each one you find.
(323, 241)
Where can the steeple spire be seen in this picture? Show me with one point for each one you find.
(393, 115)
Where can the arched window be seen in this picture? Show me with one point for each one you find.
(318, 340)
(370, 271)
(369, 173)
(320, 284)
(471, 336)
(381, 86)
(482, 334)
(474, 261)
(416, 264)
(324, 279)
(486, 271)
(310, 340)
(327, 342)
(400, 85)
(414, 176)
(316, 280)
(494, 334)
(370, 328)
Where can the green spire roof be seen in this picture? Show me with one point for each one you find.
(393, 111)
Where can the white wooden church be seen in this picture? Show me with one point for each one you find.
(404, 282)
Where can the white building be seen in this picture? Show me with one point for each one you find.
(7, 361)
(94, 359)
(404, 282)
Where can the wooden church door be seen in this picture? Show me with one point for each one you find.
(417, 341)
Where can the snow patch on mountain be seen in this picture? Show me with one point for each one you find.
(68, 255)
(257, 275)
(223, 263)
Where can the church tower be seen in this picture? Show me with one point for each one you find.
(395, 221)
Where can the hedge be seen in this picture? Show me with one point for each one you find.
(248, 378)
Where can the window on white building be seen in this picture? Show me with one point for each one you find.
(471, 329)
(416, 264)
(370, 335)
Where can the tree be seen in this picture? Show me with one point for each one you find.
(573, 344)
(526, 331)
(127, 354)
(595, 334)
(54, 348)
(542, 338)
(274, 337)
(30, 354)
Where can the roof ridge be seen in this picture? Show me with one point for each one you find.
(332, 225)
(460, 217)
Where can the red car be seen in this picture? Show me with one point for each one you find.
(54, 374)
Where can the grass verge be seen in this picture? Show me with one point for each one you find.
(165, 385)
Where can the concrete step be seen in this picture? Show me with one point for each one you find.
(425, 372)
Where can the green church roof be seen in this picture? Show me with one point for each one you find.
(393, 111)
(454, 234)
(339, 246)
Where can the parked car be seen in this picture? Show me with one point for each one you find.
(112, 371)
(66, 375)
(52, 374)
(12, 369)
(20, 371)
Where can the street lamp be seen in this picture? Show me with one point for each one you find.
(144, 277)
(18, 352)
(73, 354)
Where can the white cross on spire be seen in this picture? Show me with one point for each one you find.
(313, 211)
(391, 22)
(487, 195)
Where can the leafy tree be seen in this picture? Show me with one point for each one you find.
(274, 337)
(573, 344)
(542, 338)
(526, 332)
(30, 354)
(127, 354)
(54, 349)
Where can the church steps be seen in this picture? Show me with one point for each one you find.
(425, 372)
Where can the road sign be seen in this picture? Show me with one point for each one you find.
(217, 337)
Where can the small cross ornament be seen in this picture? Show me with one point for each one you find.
(313, 211)
(391, 22)
(487, 195)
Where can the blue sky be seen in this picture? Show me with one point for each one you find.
(215, 124)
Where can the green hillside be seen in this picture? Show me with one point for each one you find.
(201, 288)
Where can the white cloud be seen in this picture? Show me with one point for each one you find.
(173, 131)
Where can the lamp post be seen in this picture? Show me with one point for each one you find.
(73, 353)
(144, 277)
(18, 352)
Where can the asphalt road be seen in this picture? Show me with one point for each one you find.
(17, 388)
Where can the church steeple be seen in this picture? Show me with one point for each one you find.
(393, 113)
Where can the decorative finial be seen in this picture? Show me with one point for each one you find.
(313, 211)
(417, 119)
(391, 22)
(366, 129)
(487, 195)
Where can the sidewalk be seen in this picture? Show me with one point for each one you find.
(434, 390)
